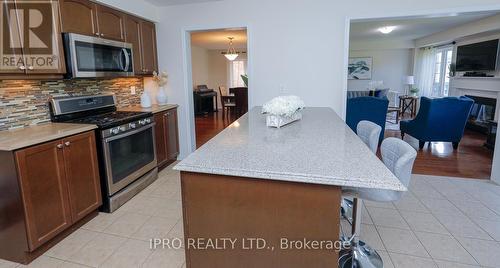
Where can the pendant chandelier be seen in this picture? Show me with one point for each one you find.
(231, 53)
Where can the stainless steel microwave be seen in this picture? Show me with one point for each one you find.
(88, 56)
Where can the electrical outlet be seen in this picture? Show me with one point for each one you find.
(132, 90)
(283, 89)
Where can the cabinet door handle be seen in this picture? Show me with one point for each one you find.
(97, 34)
(30, 68)
(102, 34)
(22, 67)
(59, 146)
(67, 143)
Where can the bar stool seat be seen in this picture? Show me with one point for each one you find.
(398, 156)
(369, 133)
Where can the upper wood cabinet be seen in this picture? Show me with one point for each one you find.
(11, 18)
(60, 185)
(148, 38)
(79, 16)
(133, 36)
(46, 56)
(88, 18)
(142, 35)
(111, 23)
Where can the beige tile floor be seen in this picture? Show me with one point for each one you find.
(440, 222)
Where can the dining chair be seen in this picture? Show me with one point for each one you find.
(227, 101)
(240, 99)
(398, 156)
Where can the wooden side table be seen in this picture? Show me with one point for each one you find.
(396, 110)
(408, 104)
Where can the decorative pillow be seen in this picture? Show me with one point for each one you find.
(380, 93)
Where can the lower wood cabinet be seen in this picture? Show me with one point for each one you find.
(167, 137)
(82, 175)
(44, 191)
(58, 185)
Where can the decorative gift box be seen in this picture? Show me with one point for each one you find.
(283, 110)
(281, 120)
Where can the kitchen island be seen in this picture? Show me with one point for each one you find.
(277, 189)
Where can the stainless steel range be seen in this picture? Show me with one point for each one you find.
(126, 144)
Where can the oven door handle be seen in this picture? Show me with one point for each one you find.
(126, 134)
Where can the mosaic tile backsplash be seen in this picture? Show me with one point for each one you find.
(25, 102)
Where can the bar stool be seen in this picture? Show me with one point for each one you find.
(399, 157)
(369, 133)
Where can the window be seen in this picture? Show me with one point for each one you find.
(442, 72)
(237, 68)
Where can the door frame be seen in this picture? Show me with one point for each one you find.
(188, 74)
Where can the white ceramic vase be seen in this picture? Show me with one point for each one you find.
(145, 100)
(161, 96)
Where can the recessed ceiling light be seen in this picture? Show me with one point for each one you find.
(387, 29)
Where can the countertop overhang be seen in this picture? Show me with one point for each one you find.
(155, 108)
(319, 149)
(11, 140)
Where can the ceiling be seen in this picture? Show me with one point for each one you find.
(411, 28)
(219, 39)
(177, 2)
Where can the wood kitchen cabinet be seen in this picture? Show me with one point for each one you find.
(79, 16)
(142, 35)
(148, 48)
(111, 23)
(44, 191)
(53, 187)
(167, 137)
(82, 176)
(28, 61)
(88, 18)
(133, 36)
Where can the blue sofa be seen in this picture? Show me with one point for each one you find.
(367, 108)
(440, 119)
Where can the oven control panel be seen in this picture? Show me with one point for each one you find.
(130, 126)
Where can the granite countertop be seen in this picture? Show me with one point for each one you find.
(155, 108)
(11, 140)
(319, 149)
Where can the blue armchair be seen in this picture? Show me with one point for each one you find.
(440, 119)
(367, 108)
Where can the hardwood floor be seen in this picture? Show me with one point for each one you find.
(209, 125)
(470, 160)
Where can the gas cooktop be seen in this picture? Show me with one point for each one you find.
(111, 119)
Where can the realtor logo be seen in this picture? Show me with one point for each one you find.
(28, 36)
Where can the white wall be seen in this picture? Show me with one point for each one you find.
(200, 65)
(389, 65)
(218, 70)
(299, 44)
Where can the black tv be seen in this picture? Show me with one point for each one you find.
(477, 57)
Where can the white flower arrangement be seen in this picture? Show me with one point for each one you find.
(283, 106)
(283, 110)
(160, 79)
